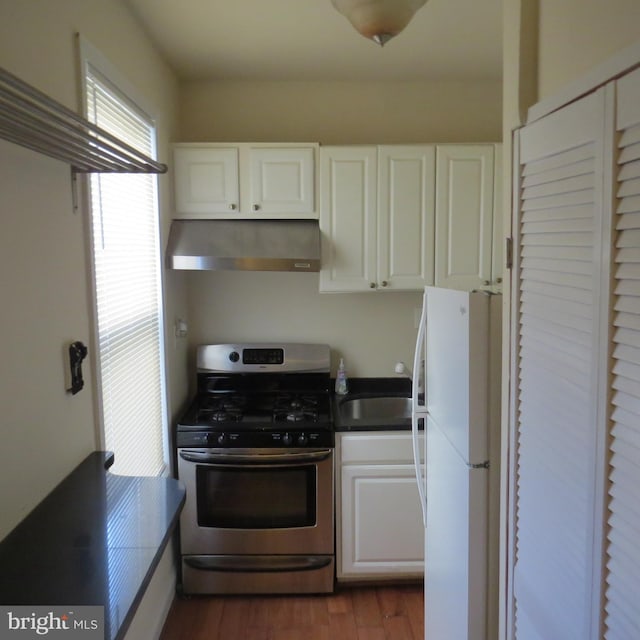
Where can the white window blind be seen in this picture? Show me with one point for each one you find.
(623, 556)
(128, 299)
(557, 349)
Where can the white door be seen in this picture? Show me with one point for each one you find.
(622, 614)
(457, 384)
(382, 529)
(406, 183)
(455, 544)
(464, 215)
(282, 180)
(348, 209)
(206, 181)
(559, 345)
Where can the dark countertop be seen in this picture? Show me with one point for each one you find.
(371, 387)
(96, 539)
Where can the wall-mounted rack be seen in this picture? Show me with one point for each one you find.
(32, 119)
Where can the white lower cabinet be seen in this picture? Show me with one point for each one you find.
(380, 532)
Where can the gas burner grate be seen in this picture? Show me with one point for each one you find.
(222, 408)
(296, 408)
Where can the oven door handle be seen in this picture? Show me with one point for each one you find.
(259, 564)
(255, 460)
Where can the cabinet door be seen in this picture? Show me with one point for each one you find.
(406, 181)
(206, 181)
(464, 216)
(348, 206)
(382, 531)
(282, 181)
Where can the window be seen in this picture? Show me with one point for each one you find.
(127, 286)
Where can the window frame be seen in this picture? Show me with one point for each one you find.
(88, 55)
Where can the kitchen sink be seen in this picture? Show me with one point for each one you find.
(375, 408)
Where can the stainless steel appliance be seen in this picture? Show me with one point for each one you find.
(255, 452)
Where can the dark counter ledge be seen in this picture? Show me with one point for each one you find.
(96, 539)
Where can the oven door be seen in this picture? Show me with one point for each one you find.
(257, 501)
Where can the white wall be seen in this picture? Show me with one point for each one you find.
(44, 259)
(341, 112)
(370, 330)
(577, 35)
(44, 263)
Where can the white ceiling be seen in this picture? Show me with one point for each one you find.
(310, 40)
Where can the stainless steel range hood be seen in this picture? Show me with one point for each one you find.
(244, 245)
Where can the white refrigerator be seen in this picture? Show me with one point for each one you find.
(456, 398)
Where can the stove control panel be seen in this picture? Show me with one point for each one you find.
(262, 356)
(252, 439)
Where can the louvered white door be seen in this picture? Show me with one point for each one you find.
(622, 614)
(559, 345)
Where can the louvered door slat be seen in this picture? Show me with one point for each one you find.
(567, 160)
(580, 254)
(567, 213)
(629, 135)
(552, 174)
(622, 618)
(629, 188)
(628, 221)
(632, 152)
(629, 171)
(568, 184)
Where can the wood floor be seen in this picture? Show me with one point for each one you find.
(351, 613)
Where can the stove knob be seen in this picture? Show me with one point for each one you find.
(234, 356)
(302, 439)
(287, 439)
(222, 438)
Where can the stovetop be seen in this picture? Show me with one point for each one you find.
(257, 421)
(260, 396)
(258, 411)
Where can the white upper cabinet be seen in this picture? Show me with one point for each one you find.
(376, 217)
(206, 181)
(282, 180)
(405, 216)
(348, 202)
(466, 198)
(245, 180)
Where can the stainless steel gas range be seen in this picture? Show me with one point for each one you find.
(255, 452)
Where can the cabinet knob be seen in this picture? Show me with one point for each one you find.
(498, 280)
(372, 285)
(256, 207)
(486, 283)
(384, 283)
(232, 206)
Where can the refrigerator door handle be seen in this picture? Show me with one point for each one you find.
(419, 412)
(418, 363)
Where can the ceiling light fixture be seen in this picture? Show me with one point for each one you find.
(379, 20)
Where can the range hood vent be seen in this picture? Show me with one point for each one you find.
(244, 245)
